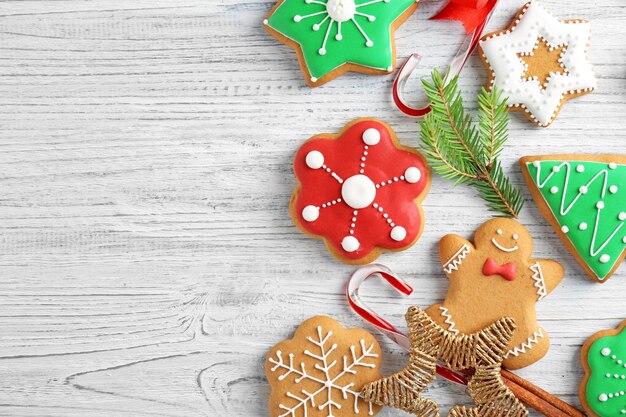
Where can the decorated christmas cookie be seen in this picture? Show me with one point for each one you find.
(602, 391)
(335, 36)
(495, 277)
(584, 198)
(320, 372)
(360, 191)
(539, 62)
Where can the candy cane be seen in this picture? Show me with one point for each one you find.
(465, 51)
(352, 293)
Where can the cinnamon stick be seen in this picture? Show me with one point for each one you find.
(547, 404)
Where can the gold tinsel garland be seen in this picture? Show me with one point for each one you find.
(482, 351)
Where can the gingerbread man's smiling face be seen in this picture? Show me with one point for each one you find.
(504, 239)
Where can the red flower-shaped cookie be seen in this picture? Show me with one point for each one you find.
(360, 191)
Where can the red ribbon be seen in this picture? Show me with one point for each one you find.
(471, 13)
(506, 271)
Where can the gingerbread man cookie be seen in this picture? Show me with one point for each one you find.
(495, 277)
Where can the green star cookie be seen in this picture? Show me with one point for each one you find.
(335, 36)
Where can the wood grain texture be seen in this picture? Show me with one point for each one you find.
(147, 257)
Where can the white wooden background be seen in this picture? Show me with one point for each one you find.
(147, 256)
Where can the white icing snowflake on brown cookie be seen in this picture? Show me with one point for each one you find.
(539, 62)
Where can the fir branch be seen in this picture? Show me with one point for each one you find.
(460, 152)
(493, 123)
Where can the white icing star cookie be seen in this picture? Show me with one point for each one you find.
(539, 62)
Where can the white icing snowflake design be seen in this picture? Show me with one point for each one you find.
(508, 71)
(329, 387)
(359, 192)
(339, 11)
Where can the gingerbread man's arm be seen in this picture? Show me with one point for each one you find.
(453, 249)
(547, 274)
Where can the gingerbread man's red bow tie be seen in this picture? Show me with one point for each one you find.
(506, 271)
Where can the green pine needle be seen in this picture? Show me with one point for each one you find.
(460, 152)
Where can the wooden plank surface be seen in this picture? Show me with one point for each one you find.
(147, 256)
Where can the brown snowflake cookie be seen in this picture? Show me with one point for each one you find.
(539, 62)
(496, 277)
(320, 372)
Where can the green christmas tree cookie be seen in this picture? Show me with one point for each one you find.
(584, 198)
(603, 389)
(335, 36)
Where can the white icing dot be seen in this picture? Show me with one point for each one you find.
(321, 51)
(338, 37)
(605, 352)
(612, 165)
(265, 21)
(582, 226)
(369, 44)
(622, 216)
(600, 205)
(556, 168)
(582, 189)
(564, 229)
(605, 258)
(314, 159)
(314, 79)
(371, 136)
(613, 189)
(499, 231)
(624, 241)
(536, 164)
(398, 233)
(603, 398)
(310, 213)
(554, 190)
(297, 18)
(580, 168)
(515, 236)
(350, 243)
(358, 191)
(412, 175)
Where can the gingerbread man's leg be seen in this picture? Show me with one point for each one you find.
(527, 349)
